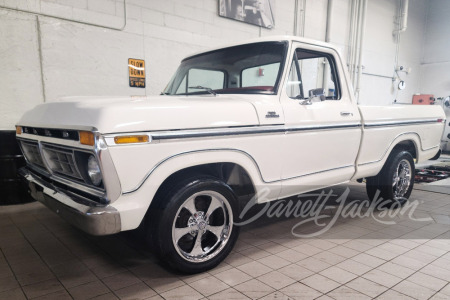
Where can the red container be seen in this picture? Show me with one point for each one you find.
(423, 99)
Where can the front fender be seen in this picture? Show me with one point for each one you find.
(134, 203)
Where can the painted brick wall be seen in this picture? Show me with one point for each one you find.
(45, 58)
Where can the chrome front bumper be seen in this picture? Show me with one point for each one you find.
(90, 217)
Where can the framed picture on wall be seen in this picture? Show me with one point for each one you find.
(256, 12)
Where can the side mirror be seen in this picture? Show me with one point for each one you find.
(313, 94)
(316, 93)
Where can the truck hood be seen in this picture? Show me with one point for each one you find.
(128, 114)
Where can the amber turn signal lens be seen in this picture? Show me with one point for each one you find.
(131, 139)
(18, 130)
(87, 138)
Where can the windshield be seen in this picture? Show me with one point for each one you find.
(245, 69)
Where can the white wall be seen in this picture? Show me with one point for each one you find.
(380, 49)
(435, 77)
(20, 73)
(44, 58)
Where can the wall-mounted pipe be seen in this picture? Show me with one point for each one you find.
(351, 39)
(295, 18)
(326, 68)
(302, 32)
(357, 41)
(377, 75)
(404, 17)
(299, 12)
(328, 26)
(361, 41)
(41, 59)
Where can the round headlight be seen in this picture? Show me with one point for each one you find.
(94, 171)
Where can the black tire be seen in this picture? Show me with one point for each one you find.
(394, 192)
(438, 154)
(170, 215)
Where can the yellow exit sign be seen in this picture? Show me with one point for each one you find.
(136, 71)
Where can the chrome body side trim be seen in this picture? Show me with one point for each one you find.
(247, 130)
(95, 220)
(322, 127)
(224, 149)
(400, 123)
(258, 129)
(214, 132)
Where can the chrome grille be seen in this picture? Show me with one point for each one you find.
(32, 154)
(54, 133)
(63, 166)
(61, 160)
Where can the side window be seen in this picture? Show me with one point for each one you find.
(259, 76)
(212, 79)
(311, 71)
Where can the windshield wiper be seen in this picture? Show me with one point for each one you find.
(199, 87)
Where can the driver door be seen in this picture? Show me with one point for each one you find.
(323, 125)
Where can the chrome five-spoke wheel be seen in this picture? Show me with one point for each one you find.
(190, 226)
(202, 226)
(401, 179)
(395, 181)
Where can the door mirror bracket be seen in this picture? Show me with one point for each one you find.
(320, 93)
(306, 102)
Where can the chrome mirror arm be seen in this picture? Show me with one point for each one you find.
(306, 101)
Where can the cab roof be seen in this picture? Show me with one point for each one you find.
(275, 38)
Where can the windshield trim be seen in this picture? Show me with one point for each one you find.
(275, 90)
(246, 91)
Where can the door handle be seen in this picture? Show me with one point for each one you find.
(346, 113)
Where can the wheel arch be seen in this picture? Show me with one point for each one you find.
(237, 168)
(231, 173)
(407, 145)
(409, 141)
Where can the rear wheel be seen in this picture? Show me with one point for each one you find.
(194, 230)
(395, 180)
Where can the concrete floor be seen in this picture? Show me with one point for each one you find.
(43, 257)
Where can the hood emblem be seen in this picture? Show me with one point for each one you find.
(272, 114)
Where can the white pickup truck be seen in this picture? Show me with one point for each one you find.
(274, 113)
